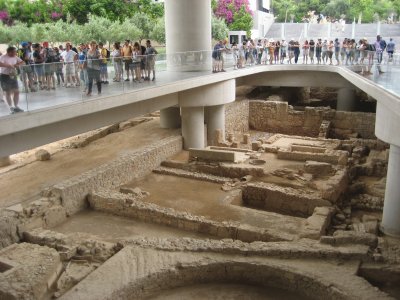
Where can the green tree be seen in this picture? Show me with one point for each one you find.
(242, 20)
(219, 28)
(142, 22)
(158, 32)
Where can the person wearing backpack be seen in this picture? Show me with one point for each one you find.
(49, 66)
(38, 61)
(104, 53)
(126, 52)
(24, 53)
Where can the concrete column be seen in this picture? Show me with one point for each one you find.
(215, 119)
(391, 209)
(346, 99)
(188, 28)
(193, 127)
(5, 161)
(170, 117)
(353, 29)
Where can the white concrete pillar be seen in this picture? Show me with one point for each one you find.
(391, 209)
(353, 30)
(5, 161)
(215, 119)
(188, 28)
(170, 117)
(193, 127)
(346, 99)
(305, 29)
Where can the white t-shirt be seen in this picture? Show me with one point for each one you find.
(5, 59)
(68, 56)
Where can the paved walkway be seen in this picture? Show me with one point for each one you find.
(62, 95)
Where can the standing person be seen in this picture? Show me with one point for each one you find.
(271, 50)
(380, 46)
(136, 61)
(143, 61)
(324, 51)
(38, 61)
(306, 51)
(69, 57)
(337, 50)
(104, 55)
(82, 64)
(391, 46)
(151, 60)
(363, 52)
(283, 50)
(59, 67)
(291, 51)
(312, 51)
(276, 52)
(27, 71)
(242, 55)
(331, 48)
(264, 56)
(318, 51)
(126, 52)
(216, 55)
(260, 51)
(343, 50)
(117, 62)
(8, 78)
(93, 68)
(296, 51)
(49, 67)
(235, 53)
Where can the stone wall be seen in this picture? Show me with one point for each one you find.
(73, 192)
(344, 123)
(279, 117)
(237, 116)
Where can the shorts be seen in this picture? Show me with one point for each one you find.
(8, 83)
(150, 63)
(39, 70)
(103, 68)
(127, 63)
(70, 69)
(48, 69)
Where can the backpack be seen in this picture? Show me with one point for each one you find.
(50, 55)
(108, 53)
(21, 53)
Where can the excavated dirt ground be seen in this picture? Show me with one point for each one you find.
(225, 292)
(25, 183)
(112, 229)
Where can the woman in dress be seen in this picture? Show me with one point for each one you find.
(93, 68)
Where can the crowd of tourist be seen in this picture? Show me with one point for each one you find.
(318, 51)
(41, 67)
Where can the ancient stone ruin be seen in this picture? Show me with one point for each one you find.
(288, 203)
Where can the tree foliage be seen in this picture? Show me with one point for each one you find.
(219, 28)
(236, 13)
(336, 8)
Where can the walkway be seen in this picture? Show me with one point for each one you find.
(62, 95)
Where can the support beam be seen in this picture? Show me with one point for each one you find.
(188, 28)
(391, 209)
(346, 99)
(215, 119)
(193, 127)
(170, 117)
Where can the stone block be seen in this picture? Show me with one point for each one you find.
(216, 155)
(318, 168)
(353, 237)
(42, 155)
(54, 215)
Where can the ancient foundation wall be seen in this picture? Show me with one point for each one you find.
(73, 192)
(279, 117)
(345, 123)
(282, 200)
(237, 116)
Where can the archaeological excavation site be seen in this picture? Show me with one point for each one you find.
(284, 202)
